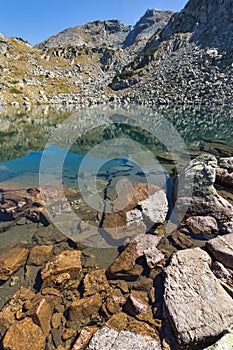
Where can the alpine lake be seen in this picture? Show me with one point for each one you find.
(89, 152)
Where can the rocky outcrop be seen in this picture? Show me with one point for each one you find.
(93, 34)
(149, 23)
(209, 22)
(198, 307)
(197, 193)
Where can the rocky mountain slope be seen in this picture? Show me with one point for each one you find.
(74, 66)
(187, 61)
(165, 58)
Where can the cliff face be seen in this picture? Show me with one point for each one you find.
(148, 24)
(209, 21)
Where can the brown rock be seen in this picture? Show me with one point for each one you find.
(69, 333)
(24, 335)
(202, 224)
(114, 302)
(96, 281)
(181, 241)
(224, 177)
(40, 254)
(125, 266)
(11, 261)
(115, 223)
(62, 268)
(137, 305)
(123, 322)
(14, 306)
(56, 319)
(41, 312)
(84, 310)
(84, 338)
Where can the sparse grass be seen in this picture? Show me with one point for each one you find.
(15, 91)
(13, 81)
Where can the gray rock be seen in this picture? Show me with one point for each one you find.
(227, 227)
(109, 339)
(153, 256)
(226, 163)
(198, 307)
(198, 178)
(202, 224)
(155, 208)
(221, 248)
(225, 343)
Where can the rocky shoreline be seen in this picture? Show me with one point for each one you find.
(147, 297)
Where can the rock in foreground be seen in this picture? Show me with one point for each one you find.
(198, 307)
(24, 335)
(110, 339)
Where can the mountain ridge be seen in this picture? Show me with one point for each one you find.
(166, 57)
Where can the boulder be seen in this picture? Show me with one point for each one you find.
(198, 307)
(221, 248)
(11, 260)
(62, 268)
(202, 224)
(155, 208)
(195, 190)
(127, 222)
(24, 335)
(125, 267)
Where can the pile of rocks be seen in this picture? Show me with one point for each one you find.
(144, 298)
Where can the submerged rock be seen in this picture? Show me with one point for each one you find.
(198, 307)
(40, 254)
(221, 248)
(62, 268)
(11, 261)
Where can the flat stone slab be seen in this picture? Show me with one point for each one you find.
(109, 339)
(199, 308)
(221, 248)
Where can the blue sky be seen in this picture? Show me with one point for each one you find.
(35, 20)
